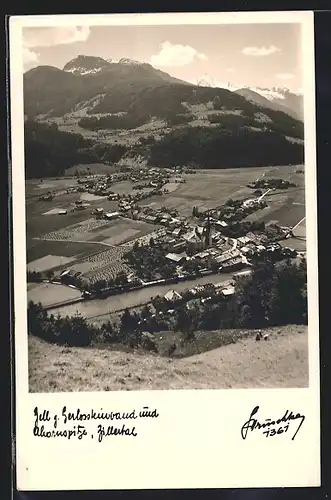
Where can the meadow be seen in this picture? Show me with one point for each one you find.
(281, 362)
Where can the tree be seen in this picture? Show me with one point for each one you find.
(145, 312)
(129, 331)
(186, 322)
(290, 301)
(108, 333)
(254, 296)
(50, 274)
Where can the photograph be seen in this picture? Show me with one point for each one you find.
(165, 207)
(165, 251)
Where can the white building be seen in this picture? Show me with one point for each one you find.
(112, 215)
(172, 296)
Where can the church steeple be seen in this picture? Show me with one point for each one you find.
(207, 232)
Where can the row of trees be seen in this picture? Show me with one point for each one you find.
(77, 331)
(271, 183)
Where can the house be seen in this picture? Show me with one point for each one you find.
(179, 247)
(150, 218)
(176, 232)
(172, 296)
(261, 248)
(113, 196)
(244, 240)
(232, 264)
(205, 290)
(177, 258)
(243, 273)
(112, 215)
(220, 224)
(202, 255)
(228, 292)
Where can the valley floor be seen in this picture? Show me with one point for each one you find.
(279, 362)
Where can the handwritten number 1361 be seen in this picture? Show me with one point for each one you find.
(273, 432)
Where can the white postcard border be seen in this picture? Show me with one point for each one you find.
(195, 442)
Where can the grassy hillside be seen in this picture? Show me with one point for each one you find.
(49, 152)
(281, 361)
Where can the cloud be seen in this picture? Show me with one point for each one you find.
(47, 37)
(285, 76)
(175, 55)
(30, 58)
(260, 51)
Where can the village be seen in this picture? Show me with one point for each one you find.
(207, 242)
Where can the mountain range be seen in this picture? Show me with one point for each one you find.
(145, 111)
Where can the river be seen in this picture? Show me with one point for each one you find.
(97, 308)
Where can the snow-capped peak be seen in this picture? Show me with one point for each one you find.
(269, 93)
(126, 60)
(86, 65)
(83, 71)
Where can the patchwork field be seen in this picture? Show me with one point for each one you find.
(103, 265)
(49, 262)
(77, 231)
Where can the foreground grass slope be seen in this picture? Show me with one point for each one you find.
(281, 361)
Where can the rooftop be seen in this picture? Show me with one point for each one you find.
(176, 257)
(172, 295)
(228, 291)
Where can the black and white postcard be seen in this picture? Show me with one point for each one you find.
(165, 251)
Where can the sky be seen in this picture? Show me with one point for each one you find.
(256, 55)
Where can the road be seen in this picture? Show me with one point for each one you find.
(71, 240)
(298, 224)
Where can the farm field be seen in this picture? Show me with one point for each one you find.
(285, 207)
(37, 249)
(37, 223)
(103, 265)
(94, 168)
(282, 362)
(50, 293)
(49, 262)
(210, 188)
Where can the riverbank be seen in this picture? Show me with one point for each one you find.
(99, 310)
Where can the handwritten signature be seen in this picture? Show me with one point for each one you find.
(272, 427)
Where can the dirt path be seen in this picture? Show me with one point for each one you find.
(76, 241)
